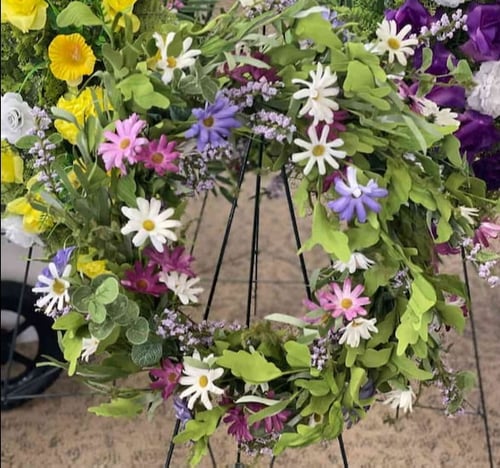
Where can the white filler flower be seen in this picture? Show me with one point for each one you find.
(168, 63)
(440, 116)
(485, 96)
(17, 117)
(200, 381)
(89, 347)
(55, 289)
(357, 329)
(182, 286)
(400, 399)
(394, 42)
(319, 151)
(318, 93)
(357, 261)
(150, 223)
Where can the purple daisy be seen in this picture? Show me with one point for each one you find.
(214, 124)
(176, 259)
(354, 197)
(143, 280)
(60, 260)
(159, 156)
(166, 378)
(238, 428)
(274, 423)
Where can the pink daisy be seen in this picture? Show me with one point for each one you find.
(158, 155)
(238, 428)
(125, 144)
(274, 423)
(486, 230)
(176, 259)
(166, 378)
(346, 302)
(144, 280)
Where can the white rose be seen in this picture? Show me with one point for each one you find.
(449, 3)
(17, 117)
(485, 97)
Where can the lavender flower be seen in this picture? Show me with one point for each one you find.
(182, 412)
(319, 353)
(272, 125)
(215, 122)
(245, 95)
(354, 197)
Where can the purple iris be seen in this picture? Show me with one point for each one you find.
(448, 96)
(483, 27)
(412, 12)
(60, 260)
(477, 133)
(214, 123)
(354, 197)
(488, 169)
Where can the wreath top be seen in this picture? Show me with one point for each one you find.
(391, 179)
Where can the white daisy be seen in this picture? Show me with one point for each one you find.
(469, 214)
(357, 261)
(89, 347)
(200, 381)
(442, 117)
(168, 63)
(182, 286)
(357, 329)
(394, 42)
(55, 288)
(318, 104)
(400, 399)
(150, 223)
(319, 150)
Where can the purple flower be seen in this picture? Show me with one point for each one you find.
(440, 56)
(274, 423)
(238, 428)
(488, 169)
(354, 197)
(477, 133)
(176, 259)
(412, 12)
(166, 378)
(247, 72)
(143, 280)
(60, 260)
(182, 412)
(448, 96)
(214, 123)
(483, 26)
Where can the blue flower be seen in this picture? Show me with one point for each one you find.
(182, 412)
(60, 260)
(354, 197)
(214, 123)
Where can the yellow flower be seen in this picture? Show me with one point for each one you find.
(12, 166)
(89, 267)
(113, 7)
(25, 14)
(71, 58)
(34, 221)
(81, 106)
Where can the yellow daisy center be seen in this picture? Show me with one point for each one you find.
(318, 150)
(125, 143)
(394, 43)
(157, 158)
(346, 303)
(208, 122)
(171, 62)
(203, 381)
(58, 287)
(148, 225)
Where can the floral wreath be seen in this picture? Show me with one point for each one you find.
(389, 170)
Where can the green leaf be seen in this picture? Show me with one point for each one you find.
(107, 292)
(205, 424)
(81, 298)
(298, 355)
(324, 233)
(318, 29)
(375, 358)
(72, 349)
(268, 411)
(289, 54)
(119, 408)
(97, 312)
(451, 315)
(451, 148)
(358, 376)
(101, 331)
(288, 319)
(77, 14)
(417, 134)
(316, 387)
(426, 59)
(146, 354)
(126, 188)
(409, 368)
(71, 321)
(138, 331)
(251, 367)
(359, 78)
(27, 142)
(423, 295)
(122, 311)
(318, 405)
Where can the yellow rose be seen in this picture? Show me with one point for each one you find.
(12, 166)
(81, 106)
(113, 7)
(25, 14)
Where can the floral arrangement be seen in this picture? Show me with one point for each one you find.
(392, 136)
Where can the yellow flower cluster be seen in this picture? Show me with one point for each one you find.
(26, 15)
(12, 166)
